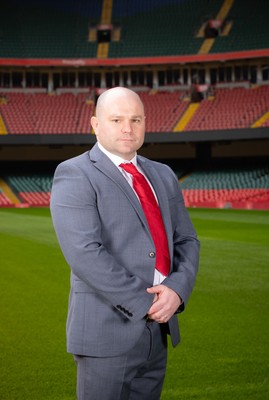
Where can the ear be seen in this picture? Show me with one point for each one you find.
(94, 124)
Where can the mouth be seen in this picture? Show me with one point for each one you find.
(127, 140)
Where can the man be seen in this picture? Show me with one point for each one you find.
(123, 299)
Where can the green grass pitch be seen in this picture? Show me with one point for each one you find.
(225, 329)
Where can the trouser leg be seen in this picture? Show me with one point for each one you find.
(148, 382)
(137, 375)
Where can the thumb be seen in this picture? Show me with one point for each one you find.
(154, 289)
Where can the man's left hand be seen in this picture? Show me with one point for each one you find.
(165, 304)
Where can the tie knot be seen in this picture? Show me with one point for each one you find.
(129, 167)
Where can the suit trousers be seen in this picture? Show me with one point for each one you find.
(137, 375)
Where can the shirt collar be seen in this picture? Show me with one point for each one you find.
(116, 159)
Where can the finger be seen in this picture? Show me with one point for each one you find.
(161, 319)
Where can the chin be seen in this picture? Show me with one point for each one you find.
(128, 149)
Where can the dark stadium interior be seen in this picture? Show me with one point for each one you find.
(201, 69)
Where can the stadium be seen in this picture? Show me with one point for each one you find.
(201, 69)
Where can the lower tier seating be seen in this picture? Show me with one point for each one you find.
(4, 200)
(235, 198)
(235, 187)
(33, 190)
(228, 187)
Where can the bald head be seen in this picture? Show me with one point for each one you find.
(119, 124)
(113, 95)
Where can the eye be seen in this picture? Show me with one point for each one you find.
(137, 120)
(116, 120)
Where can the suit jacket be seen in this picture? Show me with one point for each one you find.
(104, 236)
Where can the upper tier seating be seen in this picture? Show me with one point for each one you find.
(48, 30)
(148, 28)
(165, 27)
(250, 29)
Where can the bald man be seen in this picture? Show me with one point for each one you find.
(130, 274)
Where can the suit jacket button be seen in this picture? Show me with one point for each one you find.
(152, 254)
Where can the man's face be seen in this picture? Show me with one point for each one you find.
(120, 125)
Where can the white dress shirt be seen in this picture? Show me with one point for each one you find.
(158, 276)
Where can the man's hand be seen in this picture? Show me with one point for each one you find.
(166, 303)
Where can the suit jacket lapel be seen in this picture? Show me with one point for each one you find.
(106, 166)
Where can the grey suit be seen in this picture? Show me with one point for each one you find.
(105, 239)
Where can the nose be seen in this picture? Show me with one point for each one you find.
(126, 126)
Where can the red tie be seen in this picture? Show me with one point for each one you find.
(153, 216)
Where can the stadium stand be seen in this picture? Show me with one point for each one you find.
(48, 29)
(230, 108)
(163, 109)
(228, 187)
(33, 190)
(250, 29)
(27, 32)
(4, 200)
(40, 113)
(177, 37)
(221, 187)
(69, 30)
